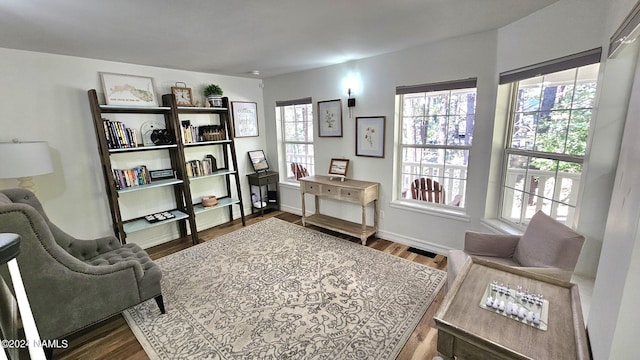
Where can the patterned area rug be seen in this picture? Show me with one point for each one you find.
(276, 290)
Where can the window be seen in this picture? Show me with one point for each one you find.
(296, 119)
(435, 137)
(549, 118)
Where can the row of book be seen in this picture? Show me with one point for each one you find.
(200, 167)
(126, 178)
(119, 136)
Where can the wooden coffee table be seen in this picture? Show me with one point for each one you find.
(466, 330)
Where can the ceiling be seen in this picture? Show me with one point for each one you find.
(235, 37)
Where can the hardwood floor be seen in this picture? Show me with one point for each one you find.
(112, 338)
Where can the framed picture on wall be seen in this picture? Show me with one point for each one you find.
(370, 136)
(129, 90)
(330, 118)
(245, 118)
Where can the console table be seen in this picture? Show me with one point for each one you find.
(468, 331)
(354, 191)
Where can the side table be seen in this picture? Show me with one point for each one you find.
(265, 194)
(466, 330)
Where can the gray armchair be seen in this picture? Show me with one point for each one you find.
(71, 283)
(547, 247)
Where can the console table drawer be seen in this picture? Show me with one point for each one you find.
(328, 190)
(312, 188)
(351, 195)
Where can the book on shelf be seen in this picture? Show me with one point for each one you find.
(125, 178)
(203, 167)
(119, 136)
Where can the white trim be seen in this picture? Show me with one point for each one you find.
(290, 209)
(500, 227)
(435, 210)
(413, 242)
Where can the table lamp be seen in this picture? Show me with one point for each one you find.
(22, 160)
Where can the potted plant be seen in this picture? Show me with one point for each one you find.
(213, 93)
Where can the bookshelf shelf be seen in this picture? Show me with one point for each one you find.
(206, 143)
(222, 203)
(111, 109)
(154, 184)
(142, 224)
(143, 148)
(201, 110)
(213, 174)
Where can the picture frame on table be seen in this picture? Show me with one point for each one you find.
(258, 161)
(330, 118)
(370, 136)
(339, 167)
(245, 118)
(128, 90)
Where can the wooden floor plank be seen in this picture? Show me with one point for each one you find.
(113, 339)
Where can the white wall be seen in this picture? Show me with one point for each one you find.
(614, 320)
(614, 305)
(558, 30)
(44, 97)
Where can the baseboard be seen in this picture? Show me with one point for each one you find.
(291, 209)
(413, 242)
(387, 235)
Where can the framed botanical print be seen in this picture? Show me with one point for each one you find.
(330, 118)
(128, 90)
(245, 118)
(370, 136)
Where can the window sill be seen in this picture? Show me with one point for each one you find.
(440, 211)
(500, 227)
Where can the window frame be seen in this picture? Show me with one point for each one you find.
(513, 78)
(445, 209)
(283, 162)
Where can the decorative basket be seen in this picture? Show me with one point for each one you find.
(214, 135)
(209, 201)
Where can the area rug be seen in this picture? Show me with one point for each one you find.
(276, 290)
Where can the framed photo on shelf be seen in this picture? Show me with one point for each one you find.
(339, 167)
(370, 136)
(330, 118)
(258, 160)
(245, 118)
(128, 90)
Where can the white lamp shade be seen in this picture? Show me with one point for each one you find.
(22, 159)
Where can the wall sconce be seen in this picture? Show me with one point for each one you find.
(22, 160)
(351, 102)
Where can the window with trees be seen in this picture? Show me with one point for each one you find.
(296, 124)
(435, 138)
(550, 115)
